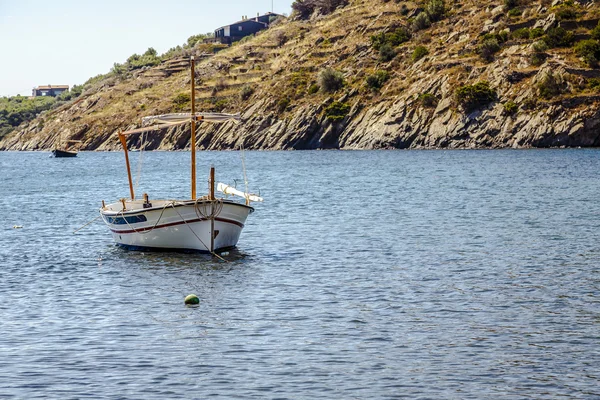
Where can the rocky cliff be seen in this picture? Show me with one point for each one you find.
(409, 80)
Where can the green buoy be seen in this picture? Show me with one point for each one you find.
(192, 299)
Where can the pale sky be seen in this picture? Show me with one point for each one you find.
(66, 42)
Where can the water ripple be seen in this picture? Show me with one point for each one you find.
(450, 274)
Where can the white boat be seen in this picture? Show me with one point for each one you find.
(185, 225)
(204, 224)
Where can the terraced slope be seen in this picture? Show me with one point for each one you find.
(486, 75)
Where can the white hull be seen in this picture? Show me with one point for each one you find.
(176, 225)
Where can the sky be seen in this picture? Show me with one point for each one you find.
(66, 42)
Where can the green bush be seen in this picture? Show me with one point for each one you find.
(510, 107)
(428, 100)
(540, 46)
(488, 48)
(537, 59)
(64, 96)
(193, 42)
(559, 37)
(330, 80)
(312, 89)
(491, 44)
(172, 53)
(419, 52)
(219, 105)
(246, 92)
(549, 86)
(67, 95)
(395, 38)
(535, 33)
(595, 33)
(566, 12)
(282, 104)
(95, 79)
(76, 91)
(387, 53)
(196, 39)
(181, 101)
(436, 10)
(501, 37)
(472, 97)
(589, 51)
(594, 83)
(538, 54)
(515, 12)
(148, 59)
(337, 111)
(376, 81)
(421, 22)
(523, 33)
(119, 70)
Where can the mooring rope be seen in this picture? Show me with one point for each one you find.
(202, 209)
(197, 237)
(77, 230)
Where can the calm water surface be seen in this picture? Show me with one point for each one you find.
(363, 275)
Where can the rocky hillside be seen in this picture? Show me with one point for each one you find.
(372, 74)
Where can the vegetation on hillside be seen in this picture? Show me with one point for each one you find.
(18, 109)
(151, 58)
(472, 97)
(344, 56)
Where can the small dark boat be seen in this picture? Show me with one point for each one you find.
(64, 153)
(68, 150)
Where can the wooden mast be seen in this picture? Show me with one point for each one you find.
(123, 140)
(211, 196)
(193, 136)
(211, 187)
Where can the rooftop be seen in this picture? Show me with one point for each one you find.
(52, 87)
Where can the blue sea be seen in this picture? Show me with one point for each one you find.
(363, 275)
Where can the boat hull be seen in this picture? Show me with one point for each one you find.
(63, 153)
(176, 225)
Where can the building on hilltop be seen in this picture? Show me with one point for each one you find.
(49, 90)
(247, 26)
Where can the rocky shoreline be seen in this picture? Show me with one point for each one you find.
(396, 117)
